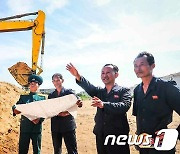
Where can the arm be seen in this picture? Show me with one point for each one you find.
(81, 81)
(115, 107)
(134, 110)
(87, 86)
(79, 102)
(73, 71)
(15, 111)
(173, 97)
(172, 100)
(120, 107)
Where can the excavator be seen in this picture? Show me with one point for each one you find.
(21, 71)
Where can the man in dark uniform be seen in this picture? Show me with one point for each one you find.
(154, 100)
(63, 125)
(112, 103)
(30, 129)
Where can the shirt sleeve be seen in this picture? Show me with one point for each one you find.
(119, 107)
(173, 97)
(14, 106)
(50, 96)
(87, 86)
(134, 110)
(70, 91)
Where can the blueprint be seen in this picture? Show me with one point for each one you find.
(49, 108)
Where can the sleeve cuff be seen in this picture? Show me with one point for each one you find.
(13, 107)
(79, 81)
(105, 105)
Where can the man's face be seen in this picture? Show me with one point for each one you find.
(142, 67)
(108, 75)
(57, 82)
(33, 86)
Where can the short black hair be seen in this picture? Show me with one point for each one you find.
(149, 57)
(115, 68)
(58, 75)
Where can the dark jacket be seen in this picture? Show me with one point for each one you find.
(112, 118)
(25, 124)
(154, 109)
(58, 123)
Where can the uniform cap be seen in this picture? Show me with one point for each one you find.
(35, 78)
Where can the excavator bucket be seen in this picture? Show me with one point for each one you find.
(21, 72)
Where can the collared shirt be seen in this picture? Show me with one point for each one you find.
(58, 123)
(154, 109)
(112, 118)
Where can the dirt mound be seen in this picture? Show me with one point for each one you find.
(9, 94)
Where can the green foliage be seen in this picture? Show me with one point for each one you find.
(83, 95)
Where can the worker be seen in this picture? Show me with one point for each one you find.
(63, 125)
(154, 101)
(30, 129)
(112, 103)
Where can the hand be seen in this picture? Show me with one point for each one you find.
(16, 111)
(36, 121)
(64, 114)
(73, 71)
(97, 102)
(79, 103)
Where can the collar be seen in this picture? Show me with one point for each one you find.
(32, 93)
(114, 88)
(151, 85)
(151, 82)
(62, 91)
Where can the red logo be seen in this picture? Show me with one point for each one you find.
(155, 97)
(116, 96)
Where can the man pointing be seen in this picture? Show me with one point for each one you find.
(112, 103)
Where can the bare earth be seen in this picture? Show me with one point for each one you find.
(9, 130)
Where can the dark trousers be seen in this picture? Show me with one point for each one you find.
(69, 139)
(110, 149)
(24, 141)
(154, 151)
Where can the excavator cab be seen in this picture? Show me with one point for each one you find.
(21, 71)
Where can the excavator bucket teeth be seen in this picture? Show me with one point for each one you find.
(21, 72)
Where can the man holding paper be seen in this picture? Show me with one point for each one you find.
(63, 125)
(30, 129)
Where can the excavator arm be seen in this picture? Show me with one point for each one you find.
(21, 71)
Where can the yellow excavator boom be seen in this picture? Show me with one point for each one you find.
(38, 36)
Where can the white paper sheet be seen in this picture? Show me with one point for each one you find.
(49, 108)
